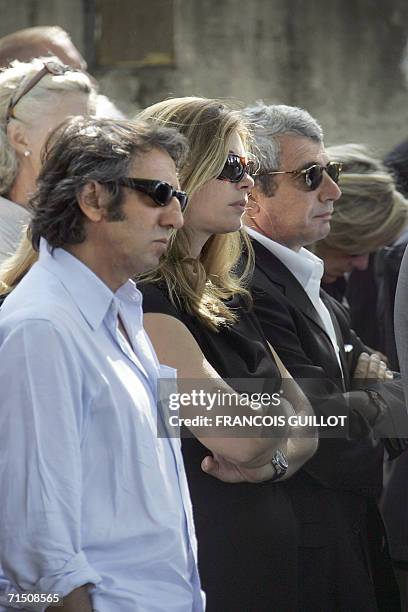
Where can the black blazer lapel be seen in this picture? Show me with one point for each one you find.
(279, 274)
(339, 338)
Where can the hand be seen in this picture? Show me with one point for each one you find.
(226, 471)
(370, 367)
(381, 355)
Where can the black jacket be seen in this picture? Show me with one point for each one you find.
(345, 470)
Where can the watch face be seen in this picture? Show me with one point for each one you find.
(281, 460)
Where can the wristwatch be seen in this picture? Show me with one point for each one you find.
(280, 465)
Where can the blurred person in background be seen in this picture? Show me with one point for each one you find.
(370, 214)
(42, 41)
(34, 98)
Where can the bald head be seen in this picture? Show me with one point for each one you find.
(40, 41)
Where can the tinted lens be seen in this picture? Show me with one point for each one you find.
(333, 169)
(314, 176)
(233, 169)
(182, 198)
(163, 192)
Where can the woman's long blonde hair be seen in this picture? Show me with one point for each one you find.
(13, 269)
(201, 286)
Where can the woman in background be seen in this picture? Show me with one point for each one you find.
(370, 214)
(34, 98)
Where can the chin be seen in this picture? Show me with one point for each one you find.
(147, 266)
(324, 230)
(232, 227)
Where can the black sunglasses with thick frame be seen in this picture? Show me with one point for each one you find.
(313, 175)
(160, 191)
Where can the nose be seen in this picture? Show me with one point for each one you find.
(329, 190)
(171, 215)
(246, 183)
(360, 262)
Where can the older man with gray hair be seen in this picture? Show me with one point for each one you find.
(334, 496)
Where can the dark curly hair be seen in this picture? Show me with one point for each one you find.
(85, 149)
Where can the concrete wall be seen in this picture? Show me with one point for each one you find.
(339, 59)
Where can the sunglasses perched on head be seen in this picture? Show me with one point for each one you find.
(160, 191)
(236, 166)
(53, 68)
(313, 175)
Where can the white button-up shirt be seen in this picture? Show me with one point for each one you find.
(90, 493)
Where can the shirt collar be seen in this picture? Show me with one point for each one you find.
(303, 264)
(91, 295)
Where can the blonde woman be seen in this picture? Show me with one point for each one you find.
(198, 315)
(370, 213)
(34, 98)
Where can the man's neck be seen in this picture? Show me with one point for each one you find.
(292, 247)
(88, 255)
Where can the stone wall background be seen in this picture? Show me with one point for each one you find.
(340, 59)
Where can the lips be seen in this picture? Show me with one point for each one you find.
(324, 216)
(241, 204)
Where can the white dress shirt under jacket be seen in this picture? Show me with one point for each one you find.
(308, 270)
(90, 494)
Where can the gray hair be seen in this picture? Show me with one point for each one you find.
(33, 105)
(267, 123)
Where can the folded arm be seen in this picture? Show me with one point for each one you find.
(177, 348)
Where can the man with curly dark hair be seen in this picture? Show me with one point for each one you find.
(97, 509)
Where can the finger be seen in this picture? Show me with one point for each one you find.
(382, 370)
(360, 370)
(212, 467)
(373, 367)
(382, 357)
(209, 465)
(389, 375)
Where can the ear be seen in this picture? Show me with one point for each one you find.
(18, 137)
(92, 201)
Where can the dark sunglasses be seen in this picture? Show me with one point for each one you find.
(236, 166)
(48, 68)
(160, 191)
(313, 175)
